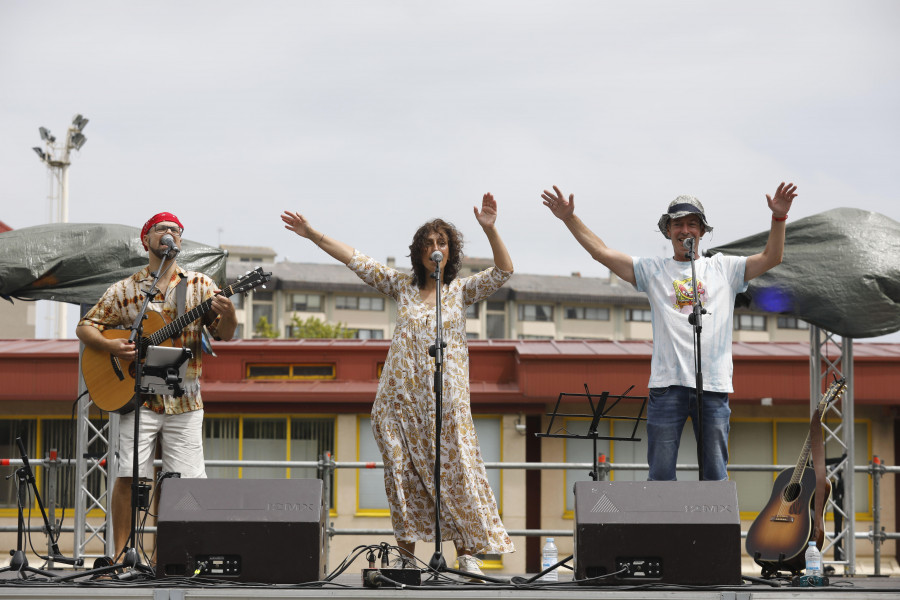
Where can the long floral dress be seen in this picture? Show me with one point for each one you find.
(403, 415)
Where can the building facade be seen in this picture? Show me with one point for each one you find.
(527, 307)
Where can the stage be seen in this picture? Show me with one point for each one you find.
(349, 585)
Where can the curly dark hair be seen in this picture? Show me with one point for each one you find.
(454, 241)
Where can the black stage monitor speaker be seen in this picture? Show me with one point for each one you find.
(260, 530)
(679, 532)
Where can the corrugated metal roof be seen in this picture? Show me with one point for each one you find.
(531, 348)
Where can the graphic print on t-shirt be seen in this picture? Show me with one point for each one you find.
(683, 294)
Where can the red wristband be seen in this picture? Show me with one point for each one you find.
(784, 218)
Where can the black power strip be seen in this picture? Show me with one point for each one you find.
(376, 578)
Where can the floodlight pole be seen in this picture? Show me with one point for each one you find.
(57, 160)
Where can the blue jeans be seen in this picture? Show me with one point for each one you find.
(667, 412)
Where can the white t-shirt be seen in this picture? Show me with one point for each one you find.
(667, 283)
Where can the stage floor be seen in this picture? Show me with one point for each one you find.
(349, 585)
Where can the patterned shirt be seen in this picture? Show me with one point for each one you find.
(120, 305)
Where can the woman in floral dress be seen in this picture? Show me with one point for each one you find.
(403, 413)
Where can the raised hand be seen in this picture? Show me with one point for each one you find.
(488, 215)
(558, 205)
(294, 221)
(781, 203)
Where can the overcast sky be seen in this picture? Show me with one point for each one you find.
(372, 117)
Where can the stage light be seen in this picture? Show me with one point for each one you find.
(39, 152)
(77, 140)
(79, 122)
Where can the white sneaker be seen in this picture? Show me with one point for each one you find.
(470, 564)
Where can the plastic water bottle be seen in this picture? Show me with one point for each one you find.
(549, 557)
(813, 561)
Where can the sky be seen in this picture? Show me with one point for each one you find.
(372, 117)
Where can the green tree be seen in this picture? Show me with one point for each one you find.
(314, 327)
(264, 330)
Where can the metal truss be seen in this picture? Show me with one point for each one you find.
(103, 461)
(832, 357)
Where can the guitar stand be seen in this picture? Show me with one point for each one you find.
(19, 562)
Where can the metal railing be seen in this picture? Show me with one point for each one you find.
(326, 467)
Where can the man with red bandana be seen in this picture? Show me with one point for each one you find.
(177, 420)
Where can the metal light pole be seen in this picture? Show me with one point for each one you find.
(57, 160)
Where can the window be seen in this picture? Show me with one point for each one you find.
(588, 313)
(535, 312)
(496, 306)
(581, 450)
(535, 337)
(780, 441)
(237, 300)
(291, 371)
(750, 322)
(496, 326)
(641, 315)
(53, 433)
(472, 311)
(472, 335)
(372, 500)
(792, 323)
(272, 438)
(359, 302)
(369, 334)
(262, 296)
(306, 302)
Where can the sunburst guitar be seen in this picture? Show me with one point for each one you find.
(110, 380)
(781, 532)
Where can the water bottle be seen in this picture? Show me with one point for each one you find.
(813, 561)
(549, 557)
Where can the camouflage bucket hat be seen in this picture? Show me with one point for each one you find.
(682, 206)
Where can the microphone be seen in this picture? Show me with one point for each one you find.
(688, 243)
(169, 242)
(436, 256)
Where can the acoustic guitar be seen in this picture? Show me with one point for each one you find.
(110, 380)
(781, 532)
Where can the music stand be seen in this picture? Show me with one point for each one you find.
(598, 411)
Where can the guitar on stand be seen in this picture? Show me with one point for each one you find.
(794, 514)
(110, 380)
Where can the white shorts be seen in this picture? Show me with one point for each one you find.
(182, 443)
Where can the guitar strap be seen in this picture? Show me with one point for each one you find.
(817, 441)
(181, 294)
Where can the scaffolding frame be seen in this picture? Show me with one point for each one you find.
(830, 358)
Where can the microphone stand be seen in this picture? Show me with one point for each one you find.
(140, 492)
(19, 562)
(695, 319)
(437, 562)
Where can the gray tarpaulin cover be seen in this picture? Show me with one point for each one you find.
(841, 272)
(76, 262)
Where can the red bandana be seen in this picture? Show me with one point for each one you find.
(158, 218)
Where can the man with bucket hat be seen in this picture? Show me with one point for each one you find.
(668, 283)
